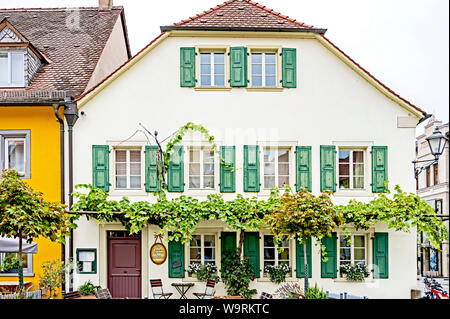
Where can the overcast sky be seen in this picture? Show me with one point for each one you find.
(404, 43)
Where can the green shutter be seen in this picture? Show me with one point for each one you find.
(187, 67)
(228, 242)
(289, 68)
(176, 259)
(227, 169)
(328, 168)
(238, 66)
(176, 170)
(100, 166)
(251, 250)
(251, 168)
(329, 268)
(381, 255)
(379, 168)
(151, 169)
(301, 259)
(303, 165)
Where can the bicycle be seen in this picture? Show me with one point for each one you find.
(434, 290)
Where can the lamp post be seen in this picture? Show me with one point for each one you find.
(436, 143)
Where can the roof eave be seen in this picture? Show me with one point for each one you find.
(253, 29)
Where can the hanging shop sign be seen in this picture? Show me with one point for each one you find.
(158, 252)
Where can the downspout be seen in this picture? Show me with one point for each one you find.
(71, 116)
(62, 164)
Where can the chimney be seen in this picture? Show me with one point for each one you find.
(105, 4)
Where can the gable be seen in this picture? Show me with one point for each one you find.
(8, 36)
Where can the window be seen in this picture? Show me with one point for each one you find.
(128, 169)
(352, 251)
(27, 260)
(351, 169)
(12, 69)
(272, 256)
(276, 167)
(15, 151)
(201, 168)
(264, 69)
(212, 69)
(87, 261)
(428, 176)
(435, 174)
(202, 249)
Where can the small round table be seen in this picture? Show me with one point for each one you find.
(183, 288)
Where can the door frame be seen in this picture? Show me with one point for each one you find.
(103, 256)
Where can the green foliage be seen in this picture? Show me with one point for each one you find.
(24, 211)
(277, 273)
(355, 272)
(52, 276)
(11, 261)
(204, 272)
(88, 288)
(401, 212)
(315, 293)
(237, 274)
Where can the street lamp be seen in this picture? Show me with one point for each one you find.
(436, 142)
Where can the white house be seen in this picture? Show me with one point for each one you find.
(294, 109)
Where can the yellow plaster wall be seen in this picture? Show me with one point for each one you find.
(45, 167)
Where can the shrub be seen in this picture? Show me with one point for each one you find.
(9, 262)
(315, 293)
(236, 275)
(88, 288)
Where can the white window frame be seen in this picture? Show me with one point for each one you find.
(212, 68)
(128, 169)
(5, 136)
(352, 251)
(27, 272)
(202, 248)
(351, 174)
(262, 259)
(264, 148)
(263, 71)
(202, 163)
(10, 83)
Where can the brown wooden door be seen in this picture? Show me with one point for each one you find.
(124, 267)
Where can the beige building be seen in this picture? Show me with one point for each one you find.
(433, 186)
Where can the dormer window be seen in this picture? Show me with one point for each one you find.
(12, 69)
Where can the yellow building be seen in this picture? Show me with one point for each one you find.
(48, 57)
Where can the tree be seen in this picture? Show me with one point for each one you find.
(25, 214)
(302, 215)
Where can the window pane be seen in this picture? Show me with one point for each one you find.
(358, 182)
(208, 181)
(358, 157)
(194, 181)
(205, 69)
(270, 57)
(269, 155)
(209, 254)
(345, 254)
(271, 69)
(219, 58)
(135, 181)
(283, 156)
(344, 169)
(121, 156)
(4, 78)
(283, 180)
(219, 80)
(283, 169)
(135, 168)
(135, 156)
(256, 58)
(208, 169)
(269, 169)
(205, 80)
(257, 69)
(269, 181)
(196, 241)
(284, 255)
(209, 240)
(359, 254)
(344, 182)
(219, 69)
(121, 169)
(269, 253)
(358, 241)
(208, 156)
(194, 169)
(344, 242)
(121, 182)
(344, 156)
(205, 58)
(195, 254)
(194, 156)
(268, 241)
(16, 155)
(257, 81)
(358, 169)
(17, 68)
(271, 81)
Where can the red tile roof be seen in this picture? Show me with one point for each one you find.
(241, 15)
(73, 52)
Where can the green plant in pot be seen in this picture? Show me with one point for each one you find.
(88, 288)
(277, 273)
(355, 272)
(204, 272)
(10, 264)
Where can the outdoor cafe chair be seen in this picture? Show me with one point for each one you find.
(157, 289)
(211, 285)
(103, 294)
(265, 295)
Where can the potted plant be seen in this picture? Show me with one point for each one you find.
(53, 274)
(354, 272)
(204, 272)
(277, 273)
(88, 290)
(10, 264)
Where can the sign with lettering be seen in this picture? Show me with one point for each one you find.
(158, 253)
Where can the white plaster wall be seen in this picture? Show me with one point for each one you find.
(332, 104)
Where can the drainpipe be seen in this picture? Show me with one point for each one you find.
(71, 116)
(62, 151)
